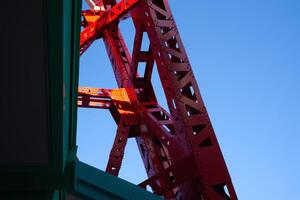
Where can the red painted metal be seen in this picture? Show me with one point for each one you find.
(97, 20)
(179, 149)
(93, 98)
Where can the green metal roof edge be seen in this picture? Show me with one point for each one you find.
(64, 32)
(75, 70)
(68, 54)
(64, 28)
(97, 184)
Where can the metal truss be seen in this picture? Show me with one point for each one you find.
(179, 149)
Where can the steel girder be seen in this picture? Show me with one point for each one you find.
(180, 150)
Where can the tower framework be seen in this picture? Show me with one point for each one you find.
(179, 148)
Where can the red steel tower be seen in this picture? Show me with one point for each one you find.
(179, 148)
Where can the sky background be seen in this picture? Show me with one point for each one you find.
(246, 58)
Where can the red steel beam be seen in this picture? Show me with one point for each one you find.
(103, 20)
(94, 98)
(166, 141)
(193, 128)
(121, 62)
(118, 149)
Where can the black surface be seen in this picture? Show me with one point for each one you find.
(24, 132)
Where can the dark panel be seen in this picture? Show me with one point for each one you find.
(71, 196)
(24, 137)
(22, 195)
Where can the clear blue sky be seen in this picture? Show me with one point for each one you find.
(246, 57)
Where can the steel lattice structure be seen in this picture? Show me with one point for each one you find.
(179, 149)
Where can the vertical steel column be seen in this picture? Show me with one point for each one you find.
(121, 61)
(192, 124)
